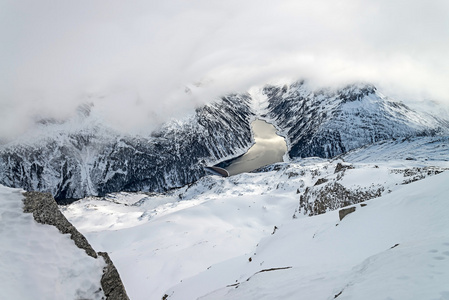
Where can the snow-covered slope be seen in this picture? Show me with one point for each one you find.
(199, 239)
(395, 247)
(82, 157)
(328, 122)
(38, 262)
(426, 149)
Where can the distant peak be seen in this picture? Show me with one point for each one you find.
(356, 91)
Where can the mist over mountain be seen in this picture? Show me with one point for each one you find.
(84, 157)
(135, 62)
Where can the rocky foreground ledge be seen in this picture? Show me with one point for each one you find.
(45, 211)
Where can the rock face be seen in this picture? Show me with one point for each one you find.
(92, 160)
(333, 195)
(345, 211)
(112, 284)
(328, 122)
(335, 192)
(46, 211)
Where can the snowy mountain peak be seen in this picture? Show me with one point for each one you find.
(356, 91)
(328, 122)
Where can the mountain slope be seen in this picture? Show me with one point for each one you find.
(82, 157)
(329, 122)
(89, 159)
(158, 240)
(396, 247)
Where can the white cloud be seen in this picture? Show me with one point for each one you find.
(140, 55)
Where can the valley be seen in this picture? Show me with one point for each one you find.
(274, 228)
(224, 150)
(205, 240)
(83, 157)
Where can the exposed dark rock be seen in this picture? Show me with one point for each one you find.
(110, 281)
(336, 295)
(345, 211)
(395, 245)
(333, 195)
(415, 174)
(270, 270)
(237, 284)
(342, 167)
(321, 181)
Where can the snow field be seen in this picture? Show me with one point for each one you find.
(396, 247)
(38, 262)
(172, 243)
(153, 256)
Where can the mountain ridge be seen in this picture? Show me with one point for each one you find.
(94, 160)
(337, 121)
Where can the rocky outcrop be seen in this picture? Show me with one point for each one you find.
(45, 211)
(333, 191)
(321, 181)
(415, 174)
(332, 196)
(345, 211)
(342, 167)
(112, 284)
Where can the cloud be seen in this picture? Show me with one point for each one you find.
(135, 59)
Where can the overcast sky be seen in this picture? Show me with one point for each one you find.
(134, 59)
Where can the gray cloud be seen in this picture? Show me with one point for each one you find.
(135, 59)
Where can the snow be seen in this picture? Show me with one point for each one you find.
(357, 258)
(196, 241)
(216, 238)
(38, 262)
(153, 256)
(259, 102)
(242, 237)
(426, 150)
